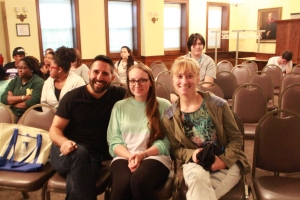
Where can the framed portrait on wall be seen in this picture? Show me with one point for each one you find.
(23, 30)
(266, 21)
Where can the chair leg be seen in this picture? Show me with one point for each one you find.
(43, 192)
(25, 195)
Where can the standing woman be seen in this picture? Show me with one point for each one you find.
(195, 121)
(196, 44)
(61, 80)
(137, 140)
(80, 68)
(125, 62)
(25, 90)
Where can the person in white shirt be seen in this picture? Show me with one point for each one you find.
(284, 61)
(125, 62)
(61, 80)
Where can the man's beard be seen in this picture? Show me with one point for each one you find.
(105, 86)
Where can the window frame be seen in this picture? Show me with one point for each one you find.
(136, 37)
(75, 19)
(184, 27)
(224, 44)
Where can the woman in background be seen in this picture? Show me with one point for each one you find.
(25, 90)
(44, 67)
(61, 80)
(80, 68)
(195, 121)
(125, 62)
(137, 140)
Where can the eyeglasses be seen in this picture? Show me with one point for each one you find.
(53, 67)
(142, 81)
(22, 68)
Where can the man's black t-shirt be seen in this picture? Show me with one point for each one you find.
(89, 117)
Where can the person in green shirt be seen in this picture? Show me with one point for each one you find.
(25, 90)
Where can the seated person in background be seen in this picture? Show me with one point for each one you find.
(48, 50)
(25, 90)
(284, 61)
(80, 68)
(137, 140)
(196, 44)
(44, 67)
(125, 62)
(199, 119)
(61, 80)
(3, 80)
(79, 128)
(11, 67)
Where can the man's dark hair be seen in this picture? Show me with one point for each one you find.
(105, 59)
(288, 55)
(193, 39)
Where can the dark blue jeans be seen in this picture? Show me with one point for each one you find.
(81, 170)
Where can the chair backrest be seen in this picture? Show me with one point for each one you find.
(227, 82)
(289, 98)
(165, 78)
(276, 142)
(162, 91)
(296, 68)
(224, 65)
(211, 87)
(252, 66)
(38, 119)
(275, 72)
(242, 74)
(265, 82)
(249, 103)
(116, 80)
(6, 115)
(289, 79)
(158, 67)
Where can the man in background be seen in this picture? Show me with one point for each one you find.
(11, 67)
(284, 61)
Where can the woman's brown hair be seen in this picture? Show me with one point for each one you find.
(152, 112)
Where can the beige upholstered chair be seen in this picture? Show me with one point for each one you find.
(276, 150)
(228, 84)
(289, 79)
(252, 66)
(276, 73)
(165, 78)
(224, 65)
(162, 91)
(6, 115)
(289, 98)
(296, 68)
(265, 82)
(249, 102)
(211, 87)
(157, 67)
(242, 74)
(38, 119)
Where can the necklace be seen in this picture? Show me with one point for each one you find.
(124, 66)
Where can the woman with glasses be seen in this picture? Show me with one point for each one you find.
(25, 90)
(137, 140)
(204, 135)
(61, 80)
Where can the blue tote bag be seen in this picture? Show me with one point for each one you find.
(23, 148)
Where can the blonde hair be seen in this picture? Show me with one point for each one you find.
(185, 64)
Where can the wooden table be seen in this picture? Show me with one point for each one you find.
(261, 63)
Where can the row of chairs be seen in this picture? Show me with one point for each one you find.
(47, 179)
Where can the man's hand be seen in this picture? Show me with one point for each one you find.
(67, 147)
(218, 164)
